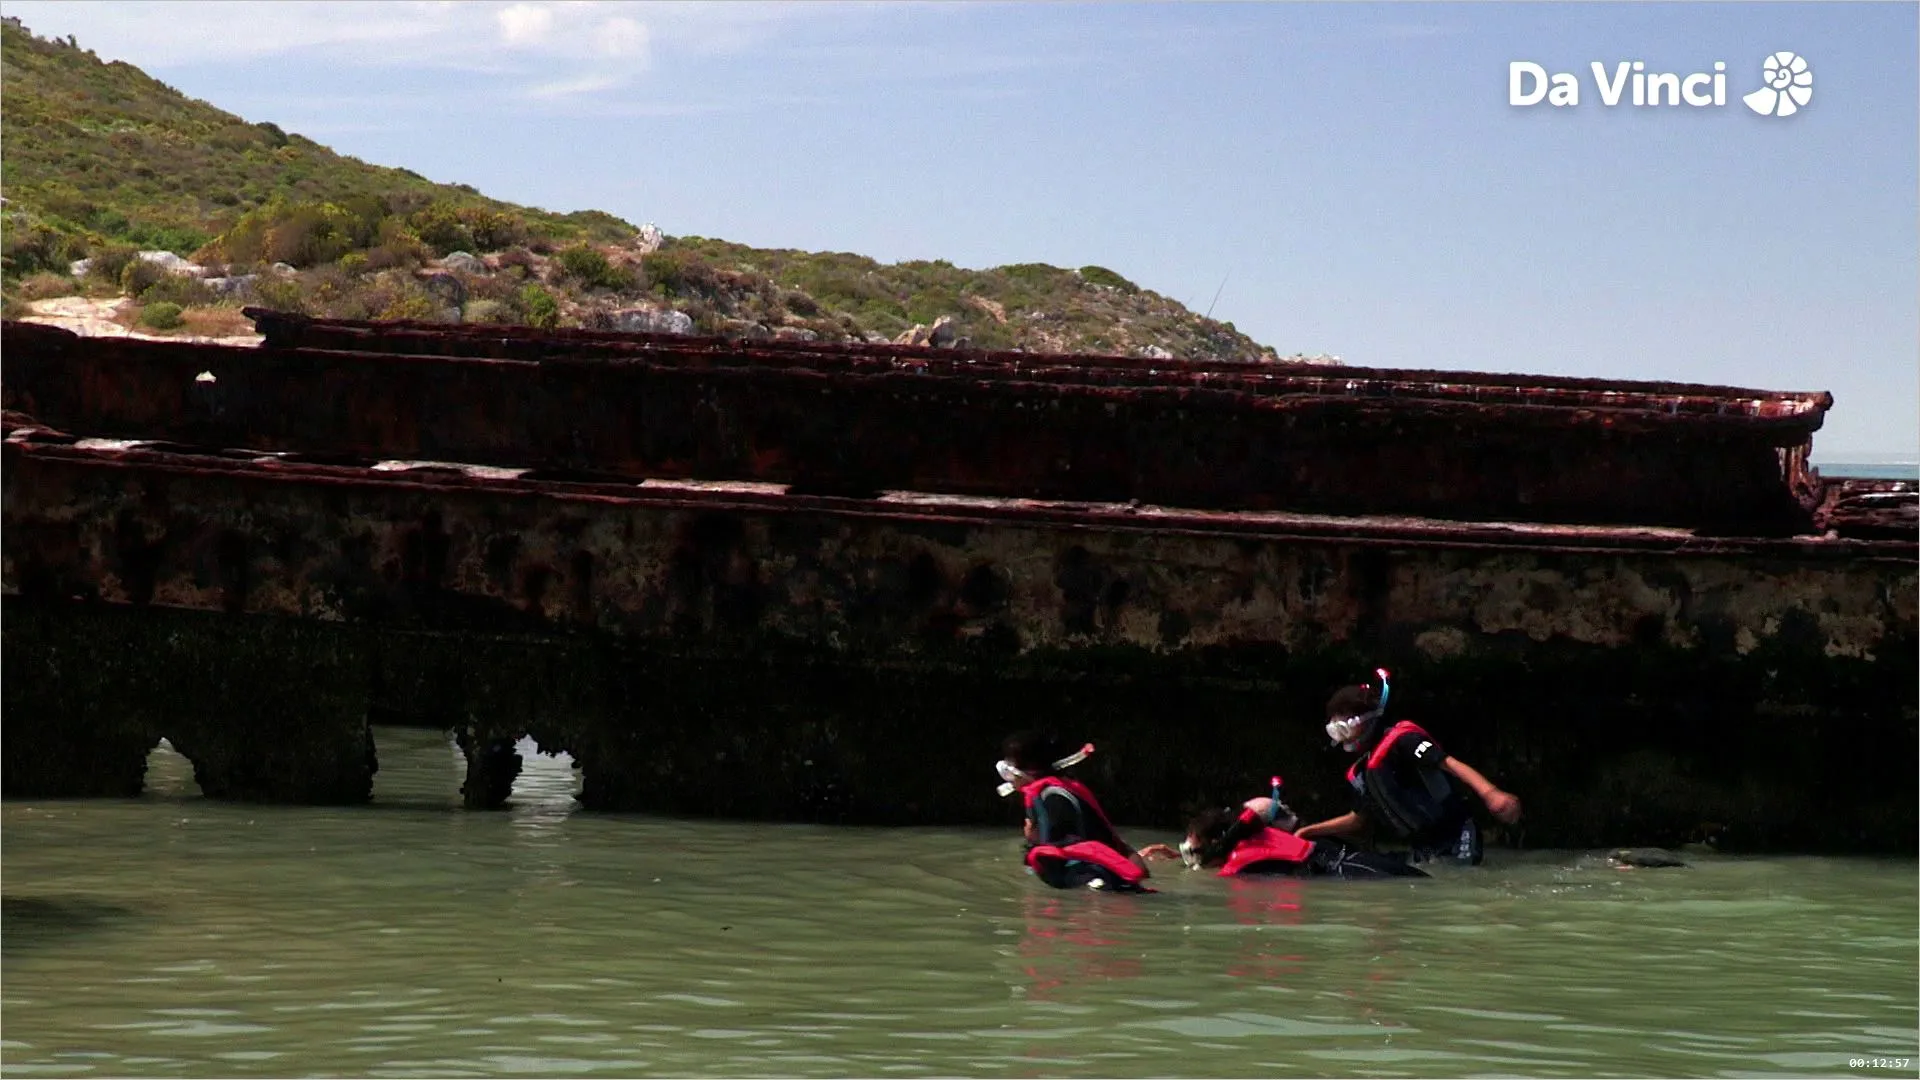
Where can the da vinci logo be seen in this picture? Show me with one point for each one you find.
(1786, 85)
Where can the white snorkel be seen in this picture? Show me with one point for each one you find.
(1016, 779)
(1347, 732)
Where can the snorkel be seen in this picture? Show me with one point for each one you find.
(1017, 778)
(1348, 731)
(1284, 818)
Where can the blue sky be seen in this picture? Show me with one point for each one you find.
(1352, 172)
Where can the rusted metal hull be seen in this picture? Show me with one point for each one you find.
(749, 651)
(1460, 450)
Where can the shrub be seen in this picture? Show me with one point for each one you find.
(1100, 275)
(398, 247)
(297, 233)
(1036, 274)
(42, 285)
(175, 288)
(412, 304)
(280, 292)
(542, 309)
(488, 311)
(139, 275)
(30, 247)
(587, 265)
(164, 315)
(491, 229)
(179, 239)
(518, 257)
(107, 263)
(440, 228)
(353, 262)
(328, 286)
(678, 272)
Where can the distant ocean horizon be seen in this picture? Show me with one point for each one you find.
(1894, 466)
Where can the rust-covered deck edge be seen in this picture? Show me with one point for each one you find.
(1406, 447)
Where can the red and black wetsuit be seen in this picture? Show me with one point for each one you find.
(1399, 781)
(1074, 844)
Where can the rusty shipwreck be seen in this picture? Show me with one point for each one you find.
(819, 582)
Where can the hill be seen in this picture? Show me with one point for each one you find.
(102, 162)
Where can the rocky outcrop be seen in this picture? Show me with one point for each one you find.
(444, 287)
(166, 260)
(462, 262)
(943, 332)
(645, 320)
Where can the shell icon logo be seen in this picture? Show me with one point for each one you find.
(1789, 85)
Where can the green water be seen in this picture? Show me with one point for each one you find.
(173, 936)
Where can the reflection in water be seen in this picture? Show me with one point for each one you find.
(170, 774)
(174, 935)
(1072, 938)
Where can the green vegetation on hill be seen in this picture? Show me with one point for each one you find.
(102, 153)
(102, 161)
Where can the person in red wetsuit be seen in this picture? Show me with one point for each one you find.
(1070, 841)
(1258, 838)
(1404, 781)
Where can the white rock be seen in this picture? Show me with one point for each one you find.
(462, 262)
(171, 263)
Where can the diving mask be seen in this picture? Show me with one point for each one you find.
(1348, 731)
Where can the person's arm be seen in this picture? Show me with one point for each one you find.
(1133, 856)
(1500, 804)
(1159, 851)
(1351, 823)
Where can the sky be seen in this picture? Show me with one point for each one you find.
(1345, 178)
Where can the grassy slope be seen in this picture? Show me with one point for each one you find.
(98, 156)
(107, 152)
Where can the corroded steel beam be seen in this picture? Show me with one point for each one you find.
(1400, 447)
(1264, 378)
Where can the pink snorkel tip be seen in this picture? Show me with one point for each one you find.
(1075, 758)
(1275, 781)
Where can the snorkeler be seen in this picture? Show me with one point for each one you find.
(1259, 839)
(1070, 841)
(1405, 781)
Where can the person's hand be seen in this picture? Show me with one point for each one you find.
(1159, 851)
(1503, 806)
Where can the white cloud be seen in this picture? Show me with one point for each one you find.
(157, 34)
(622, 37)
(585, 84)
(525, 24)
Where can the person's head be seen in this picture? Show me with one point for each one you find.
(1033, 752)
(1354, 712)
(1207, 843)
(1026, 756)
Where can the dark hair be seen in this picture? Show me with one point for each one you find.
(1033, 752)
(1352, 701)
(1212, 830)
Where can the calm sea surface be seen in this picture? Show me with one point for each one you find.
(172, 936)
(1871, 470)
